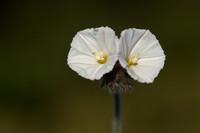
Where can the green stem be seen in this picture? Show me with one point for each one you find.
(117, 113)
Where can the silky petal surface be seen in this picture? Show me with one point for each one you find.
(147, 69)
(106, 37)
(128, 40)
(150, 54)
(81, 57)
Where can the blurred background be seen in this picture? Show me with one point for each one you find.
(39, 93)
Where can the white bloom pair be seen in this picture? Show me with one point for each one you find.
(94, 53)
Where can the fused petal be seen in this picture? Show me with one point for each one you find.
(143, 54)
(128, 40)
(107, 38)
(93, 52)
(147, 69)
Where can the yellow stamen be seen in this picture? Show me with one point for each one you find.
(132, 61)
(100, 56)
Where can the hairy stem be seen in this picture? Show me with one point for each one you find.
(117, 113)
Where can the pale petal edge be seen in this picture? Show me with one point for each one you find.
(148, 78)
(98, 71)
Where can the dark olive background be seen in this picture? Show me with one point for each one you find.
(39, 93)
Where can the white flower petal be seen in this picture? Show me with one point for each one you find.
(147, 46)
(106, 39)
(102, 69)
(147, 69)
(81, 57)
(122, 61)
(87, 66)
(75, 57)
(84, 41)
(139, 75)
(128, 40)
(150, 54)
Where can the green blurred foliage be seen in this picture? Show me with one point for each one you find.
(39, 93)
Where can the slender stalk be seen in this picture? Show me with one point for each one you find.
(117, 113)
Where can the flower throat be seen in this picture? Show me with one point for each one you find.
(100, 56)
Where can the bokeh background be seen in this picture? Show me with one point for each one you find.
(39, 93)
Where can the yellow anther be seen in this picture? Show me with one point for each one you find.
(100, 56)
(132, 61)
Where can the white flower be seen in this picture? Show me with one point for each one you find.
(93, 52)
(141, 54)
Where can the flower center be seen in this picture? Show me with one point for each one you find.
(132, 61)
(100, 56)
